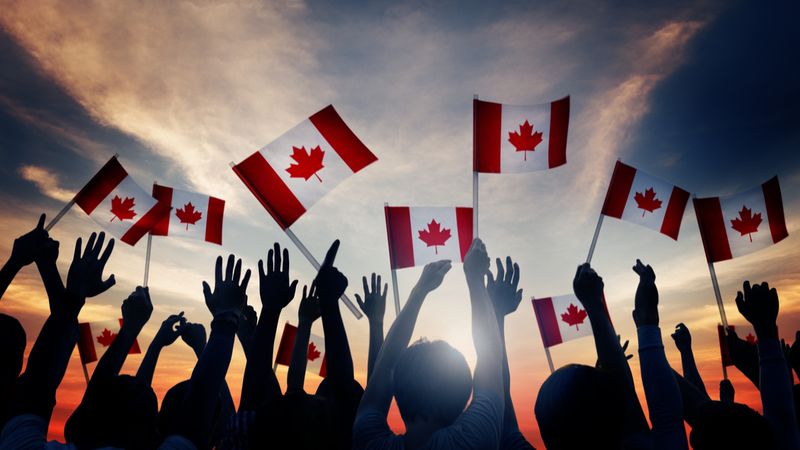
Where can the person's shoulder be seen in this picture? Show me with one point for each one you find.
(370, 431)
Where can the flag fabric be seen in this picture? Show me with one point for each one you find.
(561, 319)
(294, 171)
(742, 223)
(95, 337)
(196, 216)
(419, 235)
(641, 198)
(509, 139)
(315, 355)
(114, 200)
(750, 337)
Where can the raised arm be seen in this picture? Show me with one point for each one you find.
(260, 383)
(27, 249)
(683, 340)
(169, 331)
(759, 305)
(247, 329)
(308, 313)
(374, 307)
(330, 284)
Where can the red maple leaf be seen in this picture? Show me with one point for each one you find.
(435, 235)
(526, 140)
(313, 353)
(122, 209)
(188, 215)
(308, 163)
(106, 337)
(647, 202)
(574, 316)
(747, 222)
(750, 338)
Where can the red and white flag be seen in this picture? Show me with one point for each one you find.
(118, 204)
(193, 215)
(294, 171)
(95, 337)
(561, 319)
(509, 139)
(419, 235)
(315, 356)
(641, 198)
(749, 336)
(743, 223)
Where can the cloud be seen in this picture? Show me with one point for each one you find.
(46, 181)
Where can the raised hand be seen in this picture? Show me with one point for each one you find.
(588, 287)
(229, 296)
(137, 308)
(759, 305)
(28, 247)
(433, 275)
(275, 287)
(624, 346)
(503, 289)
(309, 310)
(194, 335)
(85, 276)
(374, 303)
(170, 329)
(476, 262)
(645, 311)
(330, 283)
(682, 338)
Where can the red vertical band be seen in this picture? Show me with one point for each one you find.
(352, 151)
(712, 229)
(486, 118)
(323, 368)
(398, 230)
(464, 223)
(673, 216)
(101, 184)
(774, 203)
(164, 195)
(284, 354)
(216, 210)
(146, 223)
(86, 344)
(265, 184)
(546, 319)
(618, 190)
(559, 124)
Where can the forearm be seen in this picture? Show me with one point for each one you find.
(691, 398)
(7, 274)
(337, 349)
(51, 279)
(486, 338)
(691, 373)
(148, 366)
(112, 360)
(776, 392)
(510, 424)
(296, 377)
(375, 343)
(259, 380)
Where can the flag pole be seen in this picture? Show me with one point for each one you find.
(549, 359)
(147, 259)
(85, 373)
(395, 289)
(594, 238)
(66, 208)
(718, 296)
(316, 266)
(475, 188)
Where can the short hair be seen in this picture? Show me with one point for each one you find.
(431, 381)
(12, 352)
(731, 426)
(120, 411)
(581, 407)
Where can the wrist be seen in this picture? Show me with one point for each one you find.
(228, 316)
(766, 331)
(305, 323)
(14, 263)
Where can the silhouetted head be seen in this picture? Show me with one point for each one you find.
(796, 395)
(432, 382)
(118, 412)
(580, 407)
(732, 427)
(12, 335)
(171, 408)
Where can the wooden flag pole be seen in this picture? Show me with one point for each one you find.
(549, 359)
(316, 266)
(718, 296)
(85, 373)
(395, 289)
(147, 259)
(475, 189)
(594, 238)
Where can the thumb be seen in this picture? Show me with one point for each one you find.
(206, 291)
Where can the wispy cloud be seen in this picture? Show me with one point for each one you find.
(46, 181)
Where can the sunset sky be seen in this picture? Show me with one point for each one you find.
(701, 94)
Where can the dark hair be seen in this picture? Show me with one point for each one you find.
(120, 411)
(580, 407)
(730, 426)
(432, 381)
(12, 335)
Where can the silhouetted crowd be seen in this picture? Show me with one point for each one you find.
(443, 404)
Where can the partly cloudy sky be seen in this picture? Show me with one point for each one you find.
(702, 94)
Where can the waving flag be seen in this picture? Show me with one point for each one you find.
(743, 223)
(193, 215)
(561, 319)
(419, 235)
(118, 204)
(315, 357)
(294, 171)
(95, 337)
(748, 335)
(638, 197)
(510, 139)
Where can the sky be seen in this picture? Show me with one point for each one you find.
(701, 94)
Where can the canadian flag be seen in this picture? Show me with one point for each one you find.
(193, 215)
(118, 204)
(510, 139)
(294, 171)
(561, 319)
(419, 235)
(315, 356)
(95, 337)
(749, 336)
(743, 223)
(641, 198)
